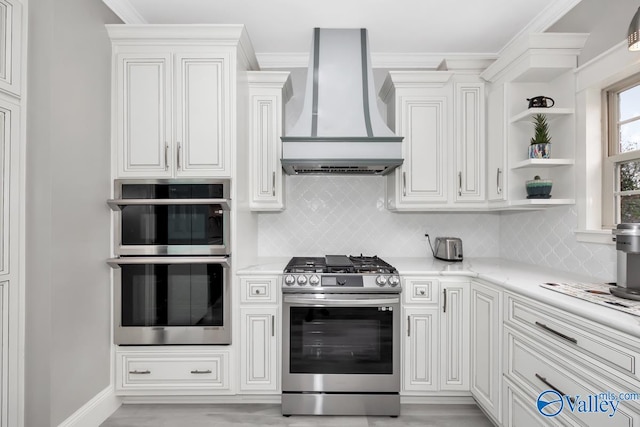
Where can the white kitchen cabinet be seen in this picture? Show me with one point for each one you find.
(420, 367)
(175, 105)
(441, 117)
(10, 46)
(454, 337)
(496, 145)
(175, 370)
(4, 352)
(9, 144)
(259, 317)
(259, 349)
(469, 124)
(485, 348)
(268, 92)
(436, 335)
(538, 65)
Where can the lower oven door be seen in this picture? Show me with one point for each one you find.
(341, 343)
(171, 300)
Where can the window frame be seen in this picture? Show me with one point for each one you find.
(612, 159)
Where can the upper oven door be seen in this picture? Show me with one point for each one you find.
(341, 343)
(171, 217)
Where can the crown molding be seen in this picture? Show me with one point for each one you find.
(429, 61)
(125, 11)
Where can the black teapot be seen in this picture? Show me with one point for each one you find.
(540, 102)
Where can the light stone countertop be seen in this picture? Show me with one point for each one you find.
(518, 277)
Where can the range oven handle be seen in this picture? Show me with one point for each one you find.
(115, 262)
(337, 301)
(117, 204)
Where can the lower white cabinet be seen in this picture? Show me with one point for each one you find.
(259, 349)
(420, 349)
(485, 340)
(172, 371)
(259, 338)
(435, 336)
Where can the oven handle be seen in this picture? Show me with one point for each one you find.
(331, 301)
(117, 204)
(115, 262)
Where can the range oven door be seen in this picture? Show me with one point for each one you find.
(341, 343)
(171, 300)
(171, 217)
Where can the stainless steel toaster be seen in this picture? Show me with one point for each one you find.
(448, 249)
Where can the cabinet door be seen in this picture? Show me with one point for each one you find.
(469, 142)
(9, 153)
(420, 349)
(258, 354)
(202, 110)
(143, 116)
(496, 144)
(485, 352)
(268, 91)
(422, 177)
(454, 337)
(10, 45)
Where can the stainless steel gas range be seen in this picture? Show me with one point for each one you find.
(341, 337)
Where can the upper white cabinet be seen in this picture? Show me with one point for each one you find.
(175, 106)
(10, 46)
(441, 117)
(534, 65)
(268, 92)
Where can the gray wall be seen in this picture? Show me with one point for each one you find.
(67, 281)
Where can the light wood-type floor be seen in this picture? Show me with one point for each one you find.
(246, 415)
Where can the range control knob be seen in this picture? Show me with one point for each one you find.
(302, 280)
(381, 280)
(394, 281)
(314, 280)
(289, 280)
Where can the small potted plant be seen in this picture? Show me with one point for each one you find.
(540, 147)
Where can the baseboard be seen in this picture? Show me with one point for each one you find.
(455, 399)
(95, 411)
(238, 398)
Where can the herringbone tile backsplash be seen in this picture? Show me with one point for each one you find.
(346, 215)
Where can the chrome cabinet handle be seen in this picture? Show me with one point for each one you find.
(166, 156)
(179, 163)
(196, 371)
(273, 184)
(404, 183)
(459, 183)
(553, 331)
(552, 387)
(140, 372)
(498, 187)
(408, 326)
(273, 325)
(444, 304)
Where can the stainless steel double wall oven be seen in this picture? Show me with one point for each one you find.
(341, 337)
(172, 271)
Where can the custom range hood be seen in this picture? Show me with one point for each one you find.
(340, 130)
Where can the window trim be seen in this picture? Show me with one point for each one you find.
(611, 157)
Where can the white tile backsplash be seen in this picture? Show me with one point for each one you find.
(346, 215)
(547, 238)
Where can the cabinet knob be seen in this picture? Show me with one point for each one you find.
(257, 292)
(422, 292)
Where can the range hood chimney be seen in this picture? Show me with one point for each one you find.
(340, 130)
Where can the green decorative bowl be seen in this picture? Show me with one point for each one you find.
(539, 188)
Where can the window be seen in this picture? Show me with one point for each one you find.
(621, 172)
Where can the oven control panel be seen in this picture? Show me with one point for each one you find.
(351, 282)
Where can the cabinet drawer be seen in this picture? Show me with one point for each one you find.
(156, 371)
(591, 343)
(533, 369)
(258, 289)
(421, 290)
